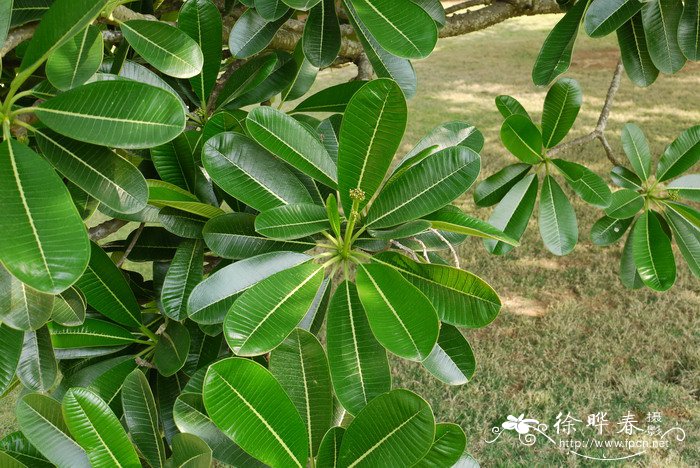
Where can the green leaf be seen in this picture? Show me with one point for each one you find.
(587, 184)
(689, 213)
(330, 447)
(635, 53)
(637, 150)
(248, 404)
(182, 223)
(167, 48)
(300, 366)
(189, 451)
(508, 105)
(359, 366)
(400, 26)
(321, 40)
(233, 236)
(184, 273)
(623, 177)
(628, 270)
(303, 77)
(96, 113)
(17, 446)
(35, 201)
(303, 5)
(5, 17)
(448, 447)
(248, 77)
(252, 33)
(653, 255)
(682, 154)
(522, 138)
(561, 107)
(250, 174)
(557, 219)
(333, 214)
(162, 194)
(689, 31)
(624, 204)
(105, 378)
(271, 10)
(175, 162)
(452, 219)
(107, 291)
(687, 186)
(141, 416)
(99, 171)
(331, 99)
(10, 350)
(492, 189)
(91, 333)
(137, 72)
(97, 429)
(201, 20)
(42, 422)
(512, 214)
(687, 237)
(21, 306)
(212, 298)
(402, 318)
(37, 369)
(25, 11)
(397, 426)
(292, 221)
(372, 128)
(266, 313)
(425, 187)
(555, 55)
(661, 19)
(408, 229)
(605, 16)
(77, 60)
(172, 349)
(609, 230)
(63, 20)
(290, 141)
(452, 359)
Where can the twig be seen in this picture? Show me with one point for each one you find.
(400, 246)
(598, 132)
(455, 257)
(465, 5)
(105, 229)
(131, 245)
(425, 249)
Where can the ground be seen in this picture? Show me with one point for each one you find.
(570, 338)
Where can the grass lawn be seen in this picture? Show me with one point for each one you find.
(570, 338)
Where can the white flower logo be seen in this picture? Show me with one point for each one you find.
(519, 424)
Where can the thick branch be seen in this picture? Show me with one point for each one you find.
(105, 229)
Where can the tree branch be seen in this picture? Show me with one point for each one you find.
(105, 229)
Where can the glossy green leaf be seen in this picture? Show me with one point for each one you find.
(271, 10)
(5, 20)
(561, 107)
(246, 78)
(689, 31)
(508, 105)
(24, 11)
(10, 350)
(184, 273)
(623, 177)
(661, 19)
(452, 219)
(333, 214)
(121, 113)
(492, 189)
(189, 451)
(557, 219)
(37, 369)
(605, 16)
(400, 26)
(587, 184)
(248, 404)
(252, 33)
(105, 379)
(137, 72)
(42, 422)
(292, 221)
(162, 194)
(637, 150)
(99, 171)
(201, 20)
(91, 333)
(23, 307)
(687, 238)
(167, 48)
(522, 138)
(359, 365)
(172, 349)
(18, 447)
(402, 318)
(289, 140)
(452, 359)
(321, 40)
(330, 447)
(397, 426)
(609, 230)
(182, 223)
(687, 187)
(331, 99)
(425, 187)
(408, 229)
(635, 53)
(141, 416)
(266, 313)
(682, 154)
(35, 201)
(447, 449)
(303, 77)
(555, 55)
(512, 214)
(628, 270)
(300, 366)
(97, 429)
(624, 204)
(372, 128)
(303, 5)
(653, 255)
(250, 174)
(175, 162)
(77, 60)
(107, 291)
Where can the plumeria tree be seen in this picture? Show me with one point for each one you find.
(277, 254)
